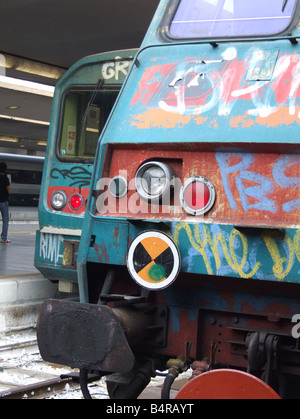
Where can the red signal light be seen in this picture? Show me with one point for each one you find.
(197, 195)
(76, 202)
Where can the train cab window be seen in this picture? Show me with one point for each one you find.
(235, 18)
(85, 111)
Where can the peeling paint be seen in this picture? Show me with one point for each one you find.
(260, 88)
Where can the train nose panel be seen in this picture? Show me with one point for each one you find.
(83, 336)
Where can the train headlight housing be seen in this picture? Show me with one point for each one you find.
(59, 200)
(197, 195)
(118, 187)
(153, 180)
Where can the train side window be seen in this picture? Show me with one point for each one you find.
(236, 18)
(82, 121)
(24, 177)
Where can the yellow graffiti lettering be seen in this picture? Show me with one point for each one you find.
(206, 243)
(230, 254)
(278, 267)
(238, 267)
(214, 242)
(218, 238)
(199, 245)
(297, 244)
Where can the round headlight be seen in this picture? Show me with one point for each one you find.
(152, 180)
(197, 195)
(59, 200)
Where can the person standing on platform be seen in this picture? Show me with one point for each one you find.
(5, 191)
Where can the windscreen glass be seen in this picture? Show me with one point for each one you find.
(85, 111)
(231, 18)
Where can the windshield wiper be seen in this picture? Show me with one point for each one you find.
(284, 4)
(85, 115)
(91, 101)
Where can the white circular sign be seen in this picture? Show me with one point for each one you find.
(153, 260)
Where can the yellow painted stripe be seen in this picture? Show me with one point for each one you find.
(21, 232)
(20, 276)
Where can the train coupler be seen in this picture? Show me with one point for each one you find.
(176, 367)
(83, 336)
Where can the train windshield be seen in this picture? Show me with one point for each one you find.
(85, 111)
(231, 18)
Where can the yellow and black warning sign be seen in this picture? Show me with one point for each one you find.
(153, 260)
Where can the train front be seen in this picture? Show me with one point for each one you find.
(190, 251)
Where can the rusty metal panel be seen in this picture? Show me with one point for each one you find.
(250, 232)
(110, 243)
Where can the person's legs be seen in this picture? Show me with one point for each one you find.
(4, 208)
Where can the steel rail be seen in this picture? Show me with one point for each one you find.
(37, 390)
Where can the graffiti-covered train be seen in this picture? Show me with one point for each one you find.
(179, 220)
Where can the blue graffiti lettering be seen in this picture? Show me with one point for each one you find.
(260, 192)
(279, 169)
(226, 170)
(257, 196)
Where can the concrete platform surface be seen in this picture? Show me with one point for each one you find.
(17, 214)
(22, 287)
(17, 258)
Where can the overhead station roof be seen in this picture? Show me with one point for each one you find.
(39, 38)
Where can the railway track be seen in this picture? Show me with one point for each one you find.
(39, 390)
(24, 375)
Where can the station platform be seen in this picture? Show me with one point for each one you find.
(22, 287)
(23, 214)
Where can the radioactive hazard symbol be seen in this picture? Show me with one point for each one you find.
(153, 260)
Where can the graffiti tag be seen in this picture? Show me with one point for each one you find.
(50, 245)
(267, 256)
(263, 186)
